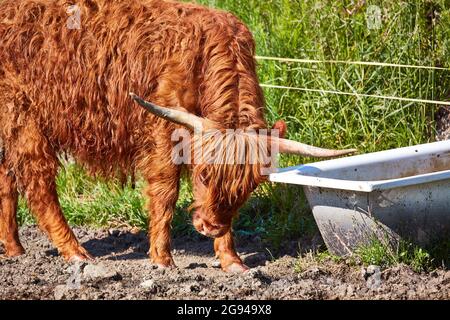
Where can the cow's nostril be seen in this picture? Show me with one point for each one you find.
(214, 227)
(207, 226)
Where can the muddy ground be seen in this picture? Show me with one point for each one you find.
(121, 270)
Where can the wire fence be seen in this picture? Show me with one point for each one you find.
(363, 95)
(364, 63)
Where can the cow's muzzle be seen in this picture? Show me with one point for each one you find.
(208, 228)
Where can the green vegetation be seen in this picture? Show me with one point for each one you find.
(322, 30)
(383, 255)
(379, 253)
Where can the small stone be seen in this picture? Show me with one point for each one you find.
(195, 265)
(150, 286)
(216, 264)
(254, 273)
(100, 271)
(199, 277)
(341, 290)
(60, 291)
(118, 286)
(350, 290)
(194, 288)
(373, 277)
(411, 294)
(372, 269)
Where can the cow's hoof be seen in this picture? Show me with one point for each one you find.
(13, 251)
(236, 267)
(79, 255)
(163, 263)
(164, 266)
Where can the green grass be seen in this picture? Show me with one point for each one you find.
(378, 253)
(320, 30)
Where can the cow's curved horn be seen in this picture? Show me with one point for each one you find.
(184, 118)
(294, 147)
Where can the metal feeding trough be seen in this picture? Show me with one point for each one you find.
(399, 193)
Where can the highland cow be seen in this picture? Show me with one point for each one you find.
(65, 78)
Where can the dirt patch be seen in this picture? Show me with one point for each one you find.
(121, 270)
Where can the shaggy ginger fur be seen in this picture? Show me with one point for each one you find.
(66, 90)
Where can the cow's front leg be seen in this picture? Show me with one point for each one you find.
(163, 186)
(225, 252)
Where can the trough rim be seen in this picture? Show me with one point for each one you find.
(307, 175)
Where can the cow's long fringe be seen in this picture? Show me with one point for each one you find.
(227, 166)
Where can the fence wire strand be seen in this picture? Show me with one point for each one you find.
(364, 63)
(364, 95)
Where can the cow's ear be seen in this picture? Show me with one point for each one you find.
(281, 126)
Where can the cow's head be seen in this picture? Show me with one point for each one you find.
(227, 165)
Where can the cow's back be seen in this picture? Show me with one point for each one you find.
(78, 73)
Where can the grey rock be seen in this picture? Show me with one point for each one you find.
(99, 272)
(254, 273)
(369, 271)
(150, 286)
(372, 269)
(195, 265)
(350, 290)
(60, 291)
(372, 275)
(341, 290)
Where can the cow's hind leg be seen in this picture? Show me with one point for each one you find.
(225, 252)
(9, 233)
(35, 167)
